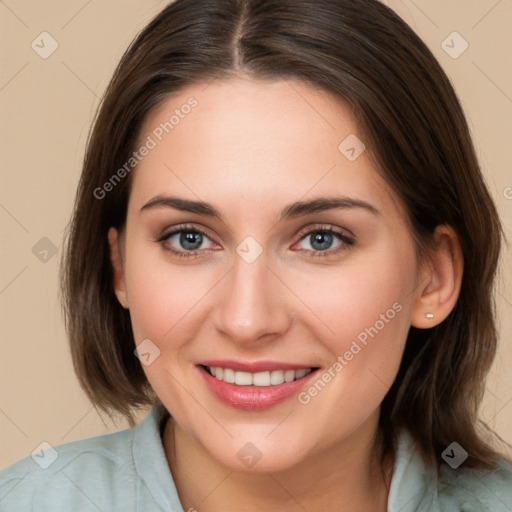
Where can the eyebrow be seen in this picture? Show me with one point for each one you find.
(293, 210)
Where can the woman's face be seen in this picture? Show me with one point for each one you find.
(260, 241)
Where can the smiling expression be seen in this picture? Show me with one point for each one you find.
(254, 255)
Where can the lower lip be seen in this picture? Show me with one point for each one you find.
(253, 398)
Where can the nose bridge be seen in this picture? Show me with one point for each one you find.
(249, 307)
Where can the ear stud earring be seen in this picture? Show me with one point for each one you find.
(429, 315)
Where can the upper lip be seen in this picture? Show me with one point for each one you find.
(254, 366)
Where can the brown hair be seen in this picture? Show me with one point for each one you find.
(361, 51)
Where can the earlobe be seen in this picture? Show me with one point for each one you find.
(441, 280)
(116, 261)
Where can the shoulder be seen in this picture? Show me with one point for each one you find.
(95, 473)
(47, 472)
(477, 490)
(418, 487)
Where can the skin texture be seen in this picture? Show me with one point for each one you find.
(250, 148)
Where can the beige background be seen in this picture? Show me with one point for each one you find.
(47, 107)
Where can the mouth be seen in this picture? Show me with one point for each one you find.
(266, 386)
(260, 379)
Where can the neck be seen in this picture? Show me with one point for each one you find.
(341, 478)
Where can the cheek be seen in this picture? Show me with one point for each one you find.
(368, 308)
(162, 297)
(163, 301)
(367, 292)
(365, 311)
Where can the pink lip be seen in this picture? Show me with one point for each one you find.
(253, 398)
(254, 367)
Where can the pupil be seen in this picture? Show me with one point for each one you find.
(191, 241)
(322, 241)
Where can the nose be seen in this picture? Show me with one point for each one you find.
(251, 304)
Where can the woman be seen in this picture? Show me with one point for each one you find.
(283, 242)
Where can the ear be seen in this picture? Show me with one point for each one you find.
(441, 278)
(116, 259)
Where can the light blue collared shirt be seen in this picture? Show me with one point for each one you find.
(127, 471)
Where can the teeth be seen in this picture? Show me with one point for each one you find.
(289, 375)
(261, 379)
(273, 378)
(301, 373)
(243, 378)
(228, 375)
(276, 377)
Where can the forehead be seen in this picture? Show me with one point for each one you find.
(260, 141)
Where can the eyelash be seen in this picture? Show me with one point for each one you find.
(347, 241)
(179, 229)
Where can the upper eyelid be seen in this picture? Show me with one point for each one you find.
(346, 240)
(302, 233)
(178, 229)
(166, 234)
(325, 227)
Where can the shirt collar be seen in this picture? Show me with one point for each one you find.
(413, 484)
(150, 460)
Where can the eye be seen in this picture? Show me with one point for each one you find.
(325, 242)
(189, 241)
(185, 241)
